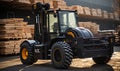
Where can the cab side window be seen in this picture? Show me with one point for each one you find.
(53, 23)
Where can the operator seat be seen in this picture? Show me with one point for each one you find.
(55, 27)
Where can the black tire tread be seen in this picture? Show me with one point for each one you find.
(68, 55)
(31, 59)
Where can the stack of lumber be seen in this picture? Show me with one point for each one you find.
(105, 14)
(117, 37)
(117, 34)
(10, 46)
(93, 12)
(87, 10)
(23, 1)
(35, 1)
(56, 4)
(78, 8)
(99, 12)
(111, 15)
(59, 4)
(14, 29)
(93, 27)
(12, 32)
(31, 30)
(116, 14)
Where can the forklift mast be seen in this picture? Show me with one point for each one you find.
(39, 11)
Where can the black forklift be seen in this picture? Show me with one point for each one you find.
(58, 37)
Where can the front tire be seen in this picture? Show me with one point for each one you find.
(102, 60)
(61, 55)
(27, 54)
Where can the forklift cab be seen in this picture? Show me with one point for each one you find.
(52, 24)
(60, 21)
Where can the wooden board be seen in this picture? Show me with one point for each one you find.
(10, 47)
(87, 10)
(105, 14)
(8, 44)
(7, 51)
(31, 30)
(111, 15)
(11, 20)
(93, 27)
(78, 8)
(18, 35)
(14, 29)
(59, 4)
(116, 16)
(99, 12)
(23, 1)
(94, 12)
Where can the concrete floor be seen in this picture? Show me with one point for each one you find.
(12, 63)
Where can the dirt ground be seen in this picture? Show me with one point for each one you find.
(12, 63)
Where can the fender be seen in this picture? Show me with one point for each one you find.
(81, 32)
(86, 33)
(30, 42)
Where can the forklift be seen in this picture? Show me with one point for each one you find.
(58, 37)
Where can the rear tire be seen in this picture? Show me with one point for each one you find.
(27, 54)
(101, 60)
(61, 55)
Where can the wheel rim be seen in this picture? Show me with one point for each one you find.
(57, 55)
(24, 53)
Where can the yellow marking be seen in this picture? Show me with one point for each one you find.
(24, 53)
(71, 34)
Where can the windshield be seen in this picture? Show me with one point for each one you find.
(67, 20)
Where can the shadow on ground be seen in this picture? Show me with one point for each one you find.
(8, 57)
(48, 67)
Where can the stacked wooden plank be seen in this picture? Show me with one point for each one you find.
(86, 11)
(117, 38)
(105, 14)
(23, 1)
(94, 12)
(59, 4)
(81, 10)
(13, 29)
(35, 1)
(10, 47)
(78, 8)
(99, 12)
(93, 27)
(12, 32)
(117, 34)
(111, 15)
(116, 14)
(31, 30)
(56, 4)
